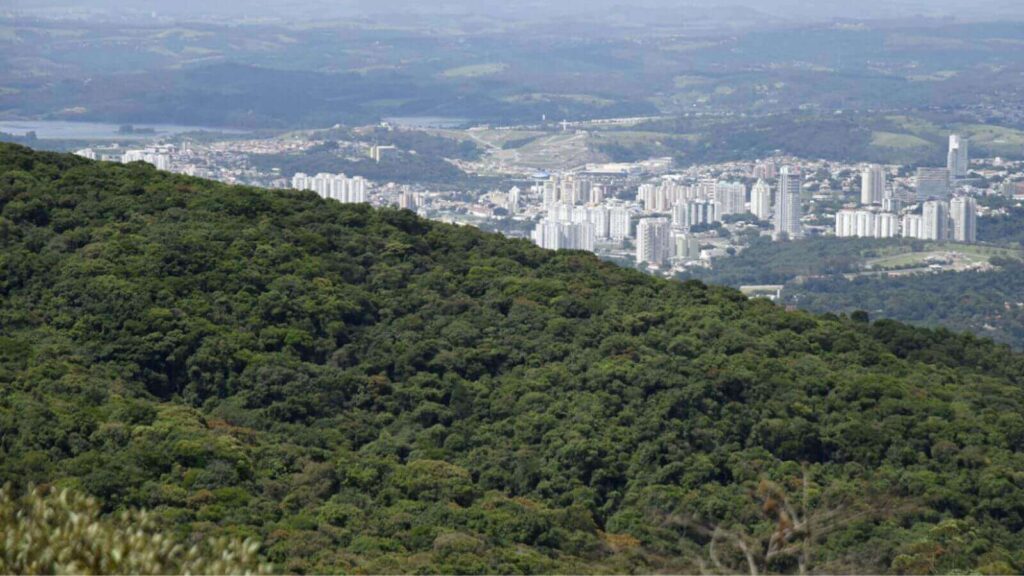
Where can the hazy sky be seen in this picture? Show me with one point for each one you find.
(532, 9)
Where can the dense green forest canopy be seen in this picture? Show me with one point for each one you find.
(363, 390)
(836, 275)
(988, 303)
(767, 262)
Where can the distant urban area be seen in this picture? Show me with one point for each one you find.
(665, 219)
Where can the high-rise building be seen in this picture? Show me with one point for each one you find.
(731, 197)
(686, 246)
(956, 159)
(963, 210)
(646, 195)
(662, 197)
(513, 200)
(550, 194)
(887, 225)
(653, 240)
(891, 203)
(619, 225)
(555, 235)
(787, 203)
(596, 194)
(680, 215)
(932, 183)
(866, 224)
(911, 226)
(695, 212)
(705, 189)
(872, 185)
(130, 156)
(408, 201)
(599, 217)
(761, 200)
(846, 223)
(765, 170)
(934, 220)
(333, 186)
(576, 190)
(158, 158)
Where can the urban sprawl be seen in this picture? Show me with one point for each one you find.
(660, 218)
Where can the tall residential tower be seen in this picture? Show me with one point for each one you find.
(787, 203)
(872, 185)
(956, 159)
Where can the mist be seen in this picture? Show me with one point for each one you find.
(797, 11)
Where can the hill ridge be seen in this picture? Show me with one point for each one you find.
(365, 390)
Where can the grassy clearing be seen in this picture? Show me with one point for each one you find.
(900, 141)
(901, 256)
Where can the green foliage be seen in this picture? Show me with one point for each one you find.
(425, 164)
(767, 262)
(62, 532)
(366, 391)
(1005, 229)
(987, 303)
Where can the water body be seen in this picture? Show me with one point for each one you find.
(65, 130)
(426, 121)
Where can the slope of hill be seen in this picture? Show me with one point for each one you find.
(363, 390)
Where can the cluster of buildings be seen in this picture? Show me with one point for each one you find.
(578, 227)
(160, 157)
(666, 218)
(938, 214)
(334, 186)
(939, 220)
(672, 219)
(644, 212)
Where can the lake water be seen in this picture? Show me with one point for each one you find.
(64, 130)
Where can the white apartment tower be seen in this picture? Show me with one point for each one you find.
(695, 212)
(550, 193)
(731, 197)
(935, 220)
(599, 217)
(872, 185)
(619, 223)
(513, 200)
(866, 224)
(761, 200)
(787, 203)
(408, 201)
(555, 235)
(911, 226)
(333, 186)
(956, 159)
(964, 212)
(653, 240)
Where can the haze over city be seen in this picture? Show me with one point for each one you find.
(792, 11)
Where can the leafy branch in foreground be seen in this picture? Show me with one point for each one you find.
(51, 532)
(788, 523)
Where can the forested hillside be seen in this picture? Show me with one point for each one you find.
(365, 391)
(989, 303)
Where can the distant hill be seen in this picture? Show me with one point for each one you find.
(366, 391)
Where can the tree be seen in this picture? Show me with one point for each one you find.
(791, 530)
(62, 532)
